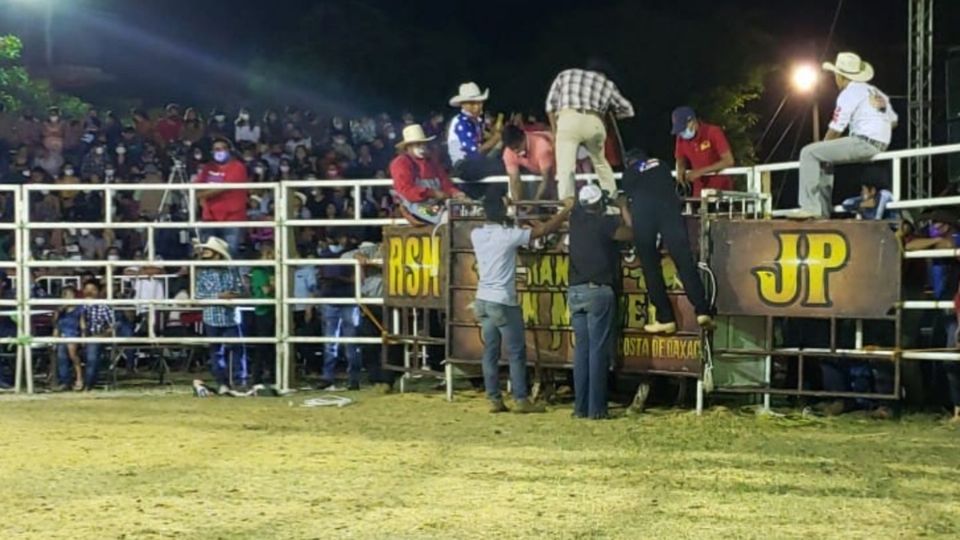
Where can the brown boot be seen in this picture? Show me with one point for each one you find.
(497, 406)
(524, 406)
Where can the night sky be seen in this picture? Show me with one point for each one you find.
(201, 50)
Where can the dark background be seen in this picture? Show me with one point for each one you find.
(353, 57)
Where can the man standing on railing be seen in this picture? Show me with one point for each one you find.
(419, 180)
(221, 205)
(496, 305)
(219, 283)
(703, 147)
(862, 108)
(577, 103)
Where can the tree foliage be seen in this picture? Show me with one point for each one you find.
(21, 92)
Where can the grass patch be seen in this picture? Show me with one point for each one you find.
(414, 466)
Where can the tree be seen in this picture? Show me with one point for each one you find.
(20, 92)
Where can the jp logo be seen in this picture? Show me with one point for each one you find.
(804, 258)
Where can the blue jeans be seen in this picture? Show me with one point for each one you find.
(219, 352)
(91, 355)
(341, 321)
(500, 321)
(64, 365)
(124, 328)
(591, 310)
(231, 235)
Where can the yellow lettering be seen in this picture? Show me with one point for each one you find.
(530, 307)
(412, 262)
(827, 252)
(562, 272)
(779, 285)
(395, 265)
(545, 269)
(430, 265)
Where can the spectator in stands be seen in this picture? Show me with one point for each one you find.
(874, 198)
(111, 128)
(418, 179)
(220, 283)
(532, 152)
(342, 148)
(297, 138)
(51, 162)
(98, 322)
(338, 320)
(577, 103)
(466, 145)
(271, 128)
(95, 162)
(142, 125)
(245, 130)
(219, 204)
(305, 321)
(68, 197)
(870, 117)
(496, 305)
(263, 286)
(170, 128)
(700, 149)
(92, 246)
(53, 131)
(68, 323)
(433, 127)
(594, 268)
(192, 130)
(218, 126)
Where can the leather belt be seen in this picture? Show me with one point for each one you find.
(872, 142)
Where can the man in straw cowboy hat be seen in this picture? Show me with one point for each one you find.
(418, 179)
(862, 108)
(467, 144)
(219, 283)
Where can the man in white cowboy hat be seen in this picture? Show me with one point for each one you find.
(220, 283)
(577, 103)
(418, 179)
(866, 112)
(468, 149)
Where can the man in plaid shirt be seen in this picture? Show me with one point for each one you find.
(98, 320)
(220, 283)
(576, 105)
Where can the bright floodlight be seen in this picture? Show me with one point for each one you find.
(804, 78)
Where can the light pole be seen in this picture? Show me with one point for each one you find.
(804, 79)
(47, 6)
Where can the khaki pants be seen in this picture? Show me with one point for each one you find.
(573, 129)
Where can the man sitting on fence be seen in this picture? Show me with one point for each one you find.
(418, 179)
(221, 283)
(862, 108)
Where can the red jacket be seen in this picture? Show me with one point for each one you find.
(168, 129)
(227, 205)
(405, 170)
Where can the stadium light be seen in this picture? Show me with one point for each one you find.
(804, 78)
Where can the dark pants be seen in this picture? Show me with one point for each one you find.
(219, 352)
(657, 210)
(474, 169)
(302, 327)
(592, 310)
(264, 354)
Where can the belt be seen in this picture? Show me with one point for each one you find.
(872, 142)
(590, 285)
(591, 112)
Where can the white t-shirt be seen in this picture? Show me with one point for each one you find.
(247, 133)
(866, 111)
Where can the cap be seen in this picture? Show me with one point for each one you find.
(590, 194)
(680, 117)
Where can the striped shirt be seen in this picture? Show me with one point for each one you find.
(585, 90)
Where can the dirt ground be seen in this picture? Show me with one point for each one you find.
(142, 465)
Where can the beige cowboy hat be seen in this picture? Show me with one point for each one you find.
(413, 134)
(216, 245)
(849, 65)
(469, 91)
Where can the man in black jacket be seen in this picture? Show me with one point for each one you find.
(656, 210)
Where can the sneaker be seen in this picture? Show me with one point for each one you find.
(706, 322)
(334, 388)
(497, 406)
(323, 384)
(660, 328)
(223, 390)
(353, 386)
(524, 406)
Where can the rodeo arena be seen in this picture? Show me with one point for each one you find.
(355, 298)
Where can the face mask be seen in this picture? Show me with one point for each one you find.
(84, 232)
(113, 257)
(219, 118)
(45, 192)
(198, 156)
(419, 151)
(391, 135)
(244, 116)
(337, 124)
(259, 170)
(687, 134)
(99, 150)
(108, 172)
(26, 173)
(54, 118)
(284, 168)
(221, 156)
(39, 241)
(336, 248)
(339, 141)
(121, 150)
(68, 172)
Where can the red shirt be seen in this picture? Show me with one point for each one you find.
(168, 129)
(405, 177)
(227, 205)
(703, 150)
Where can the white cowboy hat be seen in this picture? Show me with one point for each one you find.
(217, 245)
(850, 66)
(301, 195)
(414, 134)
(469, 91)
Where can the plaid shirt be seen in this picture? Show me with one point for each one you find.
(211, 283)
(584, 90)
(99, 318)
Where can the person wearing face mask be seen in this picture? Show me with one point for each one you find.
(244, 129)
(53, 131)
(701, 149)
(218, 127)
(223, 204)
(92, 246)
(170, 127)
(192, 126)
(531, 151)
(418, 179)
(95, 162)
(68, 197)
(220, 283)
(343, 148)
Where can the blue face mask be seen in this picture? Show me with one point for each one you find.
(335, 248)
(687, 134)
(221, 156)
